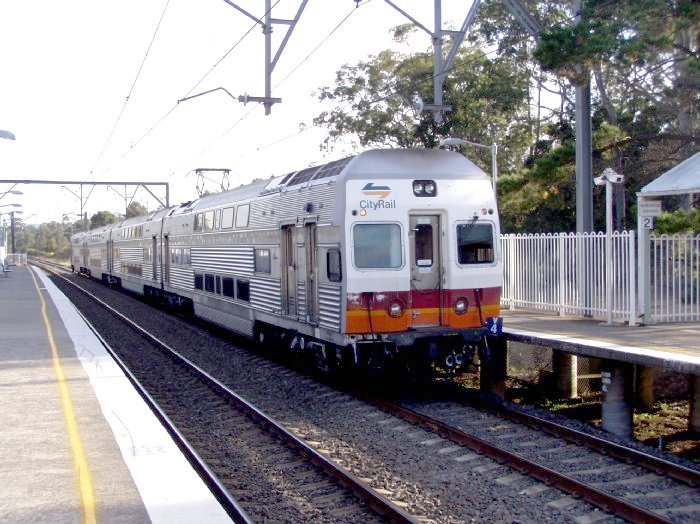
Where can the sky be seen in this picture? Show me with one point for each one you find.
(67, 69)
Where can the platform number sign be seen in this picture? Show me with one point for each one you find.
(647, 211)
(494, 326)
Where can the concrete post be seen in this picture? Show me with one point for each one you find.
(694, 418)
(565, 367)
(617, 395)
(494, 367)
(645, 387)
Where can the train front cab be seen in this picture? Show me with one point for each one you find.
(424, 275)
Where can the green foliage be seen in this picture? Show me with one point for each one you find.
(103, 218)
(641, 58)
(48, 239)
(136, 209)
(679, 221)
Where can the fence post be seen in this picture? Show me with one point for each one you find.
(632, 282)
(562, 274)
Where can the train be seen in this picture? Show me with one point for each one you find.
(386, 258)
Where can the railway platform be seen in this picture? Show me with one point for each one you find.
(669, 346)
(631, 357)
(77, 442)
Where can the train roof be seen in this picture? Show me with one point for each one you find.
(385, 163)
(388, 163)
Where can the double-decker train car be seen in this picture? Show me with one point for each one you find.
(389, 256)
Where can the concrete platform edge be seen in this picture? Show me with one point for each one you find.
(170, 488)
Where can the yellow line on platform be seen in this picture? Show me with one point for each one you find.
(84, 480)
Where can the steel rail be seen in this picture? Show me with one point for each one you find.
(639, 458)
(374, 500)
(605, 501)
(218, 489)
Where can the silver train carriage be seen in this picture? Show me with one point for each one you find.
(386, 256)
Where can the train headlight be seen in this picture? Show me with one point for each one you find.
(461, 306)
(424, 188)
(396, 309)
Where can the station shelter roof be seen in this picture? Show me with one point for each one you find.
(681, 179)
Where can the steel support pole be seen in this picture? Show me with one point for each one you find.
(608, 252)
(267, 29)
(494, 167)
(438, 71)
(584, 149)
(12, 230)
(584, 168)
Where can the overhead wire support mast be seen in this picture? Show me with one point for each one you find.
(241, 98)
(270, 62)
(93, 183)
(440, 67)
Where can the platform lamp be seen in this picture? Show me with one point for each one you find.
(456, 142)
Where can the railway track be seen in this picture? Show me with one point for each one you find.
(293, 480)
(426, 464)
(596, 470)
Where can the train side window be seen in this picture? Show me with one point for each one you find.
(198, 221)
(262, 261)
(377, 246)
(218, 285)
(334, 268)
(242, 215)
(227, 218)
(227, 287)
(198, 281)
(217, 219)
(208, 220)
(209, 283)
(475, 243)
(243, 290)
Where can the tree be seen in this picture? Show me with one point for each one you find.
(373, 104)
(136, 209)
(643, 59)
(103, 218)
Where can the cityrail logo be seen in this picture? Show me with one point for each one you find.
(379, 191)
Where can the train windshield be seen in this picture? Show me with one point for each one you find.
(475, 243)
(377, 246)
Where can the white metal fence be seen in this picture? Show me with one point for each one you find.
(674, 278)
(566, 273)
(16, 259)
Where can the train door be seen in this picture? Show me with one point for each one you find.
(154, 257)
(110, 257)
(86, 254)
(311, 273)
(166, 259)
(426, 269)
(289, 268)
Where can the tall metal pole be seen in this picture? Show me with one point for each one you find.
(608, 252)
(12, 230)
(494, 167)
(267, 29)
(584, 149)
(438, 70)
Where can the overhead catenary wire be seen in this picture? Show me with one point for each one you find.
(170, 111)
(131, 90)
(291, 72)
